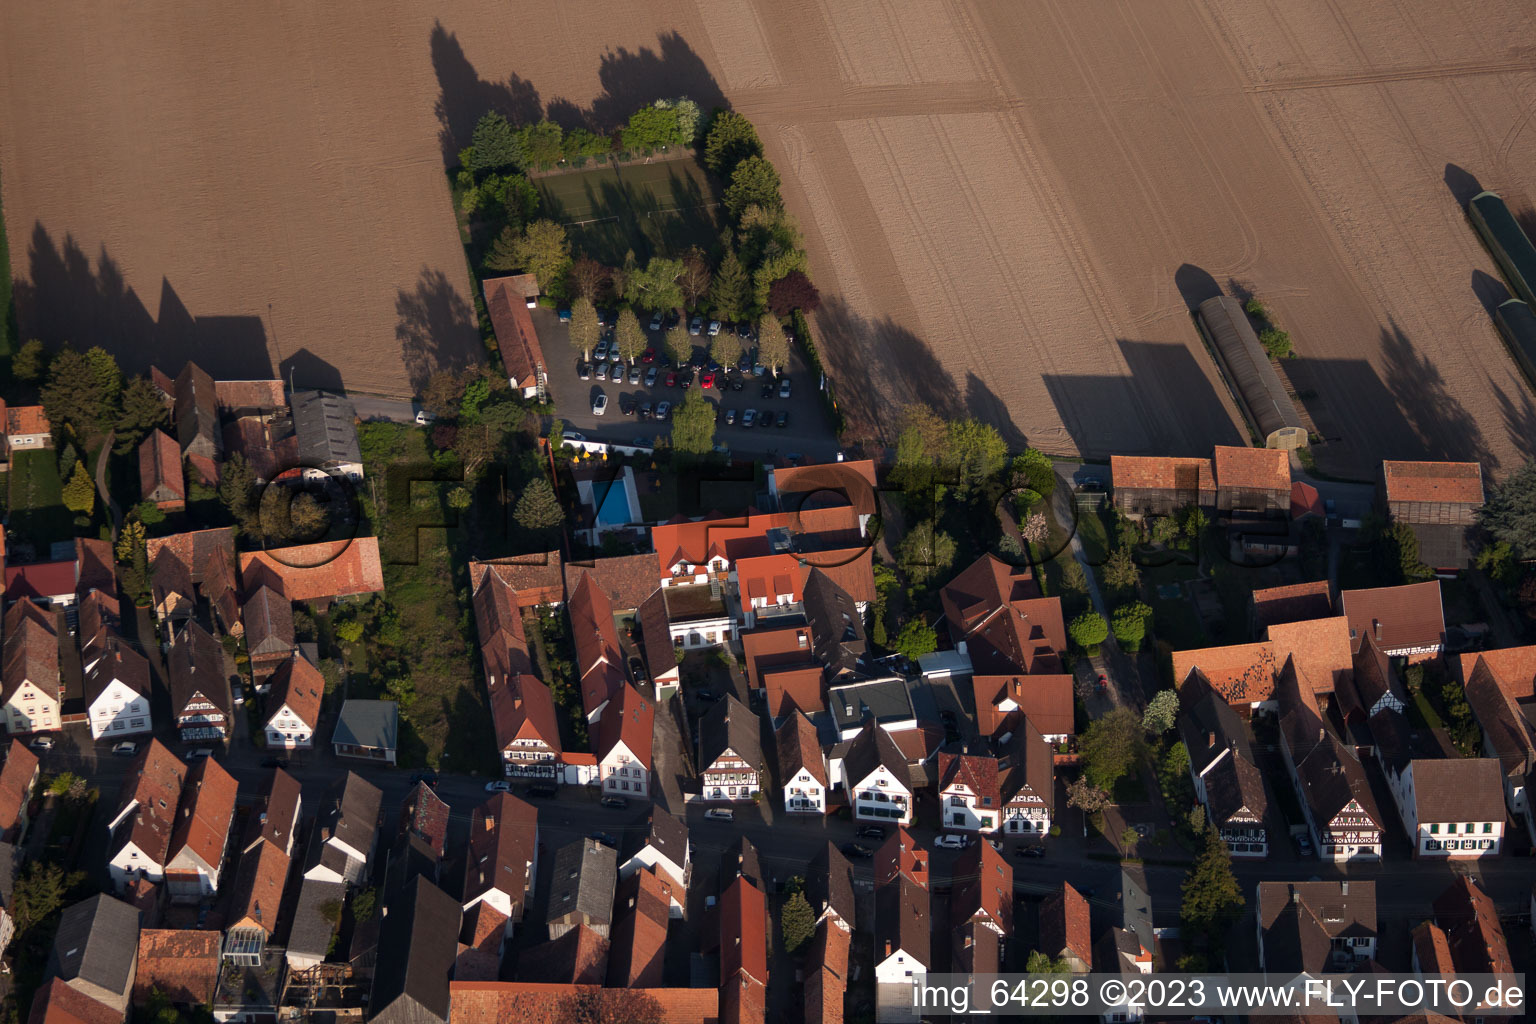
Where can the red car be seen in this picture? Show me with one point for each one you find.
(708, 381)
(649, 356)
(671, 380)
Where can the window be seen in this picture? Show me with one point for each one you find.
(1487, 827)
(1434, 830)
(1451, 828)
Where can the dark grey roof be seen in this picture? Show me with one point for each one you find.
(872, 747)
(837, 628)
(1246, 366)
(661, 831)
(1210, 726)
(1329, 775)
(351, 811)
(830, 884)
(418, 943)
(1234, 790)
(326, 427)
(196, 412)
(741, 861)
(1443, 545)
(1511, 248)
(583, 881)
(732, 725)
(1299, 920)
(311, 932)
(97, 942)
(8, 864)
(368, 723)
(268, 619)
(410, 858)
(1519, 326)
(170, 575)
(884, 700)
(901, 919)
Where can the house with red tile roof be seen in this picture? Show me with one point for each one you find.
(1321, 648)
(49, 584)
(18, 778)
(803, 773)
(516, 339)
(23, 428)
(58, 1003)
(578, 957)
(983, 891)
(643, 910)
(1439, 502)
(1407, 621)
(507, 1002)
(1027, 783)
(482, 940)
(1243, 675)
(320, 572)
(826, 485)
(1295, 602)
(826, 980)
(1500, 686)
(970, 796)
(1451, 807)
(96, 566)
(903, 944)
(1045, 701)
(116, 684)
(527, 733)
(768, 584)
(875, 776)
(998, 619)
(599, 659)
(537, 579)
(1467, 920)
(627, 579)
(502, 864)
(145, 815)
(1065, 933)
(298, 690)
(731, 764)
(621, 739)
(200, 694)
(30, 691)
(260, 879)
(1160, 485)
(275, 819)
(901, 855)
(424, 814)
(781, 664)
(201, 836)
(181, 964)
(1330, 784)
(269, 636)
(743, 911)
(160, 477)
(657, 646)
(1253, 480)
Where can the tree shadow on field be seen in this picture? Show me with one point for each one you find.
(463, 96)
(983, 404)
(1444, 429)
(636, 78)
(63, 299)
(436, 328)
(880, 368)
(1519, 414)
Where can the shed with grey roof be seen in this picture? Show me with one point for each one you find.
(368, 730)
(418, 943)
(884, 701)
(1518, 325)
(309, 940)
(1249, 374)
(96, 949)
(326, 427)
(1510, 246)
(581, 889)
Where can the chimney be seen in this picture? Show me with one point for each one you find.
(1376, 628)
(325, 834)
(1210, 738)
(887, 947)
(517, 702)
(1343, 888)
(1295, 896)
(490, 823)
(1321, 734)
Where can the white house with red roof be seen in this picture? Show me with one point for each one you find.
(622, 743)
(297, 691)
(969, 793)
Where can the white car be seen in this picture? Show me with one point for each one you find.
(423, 418)
(126, 749)
(714, 328)
(951, 842)
(42, 743)
(599, 404)
(634, 375)
(199, 753)
(662, 409)
(720, 814)
(498, 787)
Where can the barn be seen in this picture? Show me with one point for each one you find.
(1518, 325)
(1510, 247)
(1250, 375)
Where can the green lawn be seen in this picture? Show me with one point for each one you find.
(656, 208)
(1094, 533)
(36, 499)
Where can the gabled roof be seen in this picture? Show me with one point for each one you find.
(246, 397)
(523, 708)
(981, 588)
(901, 920)
(194, 548)
(1512, 669)
(276, 816)
(837, 628)
(507, 1002)
(1025, 636)
(1046, 700)
(516, 338)
(300, 686)
(826, 981)
(629, 719)
(57, 1003)
(637, 956)
(741, 860)
(1299, 920)
(196, 663)
(498, 618)
(579, 957)
(423, 813)
(196, 411)
(656, 636)
(97, 942)
(730, 725)
(15, 784)
(779, 648)
(160, 467)
(1472, 929)
(986, 893)
(1504, 729)
(1235, 785)
(977, 773)
(268, 618)
(368, 723)
(599, 659)
(1029, 769)
(31, 650)
(182, 963)
(206, 814)
(1458, 483)
(1159, 472)
(830, 885)
(418, 943)
(873, 748)
(1321, 648)
(901, 855)
(25, 419)
(626, 579)
(117, 660)
(1458, 789)
(583, 881)
(1370, 681)
(743, 933)
(351, 811)
(536, 578)
(769, 578)
(326, 426)
(1064, 925)
(170, 575)
(481, 938)
(96, 569)
(852, 569)
(258, 890)
(797, 747)
(1396, 617)
(1329, 775)
(503, 835)
(1240, 673)
(309, 572)
(827, 484)
(152, 788)
(40, 581)
(1253, 469)
(658, 830)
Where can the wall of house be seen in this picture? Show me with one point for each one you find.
(1026, 820)
(288, 731)
(961, 811)
(31, 710)
(899, 968)
(880, 798)
(111, 714)
(804, 795)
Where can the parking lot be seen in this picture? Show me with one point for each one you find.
(807, 432)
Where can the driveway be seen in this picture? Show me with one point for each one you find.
(809, 432)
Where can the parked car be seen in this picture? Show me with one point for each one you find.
(744, 366)
(423, 418)
(543, 789)
(126, 749)
(696, 326)
(605, 317)
(708, 696)
(583, 369)
(565, 314)
(856, 851)
(737, 384)
(615, 802)
(602, 371)
(645, 410)
(198, 754)
(714, 328)
(627, 404)
(730, 417)
(601, 352)
(501, 786)
(720, 814)
(599, 404)
(767, 391)
(707, 381)
(275, 762)
(759, 370)
(1304, 845)
(1029, 851)
(648, 356)
(671, 380)
(745, 331)
(650, 377)
(951, 841)
(784, 388)
(673, 319)
(749, 417)
(662, 409)
(656, 319)
(634, 374)
(604, 838)
(871, 832)
(783, 417)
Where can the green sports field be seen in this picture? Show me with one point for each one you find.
(656, 208)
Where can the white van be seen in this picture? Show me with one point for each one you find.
(720, 814)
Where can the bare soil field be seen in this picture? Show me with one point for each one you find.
(1010, 208)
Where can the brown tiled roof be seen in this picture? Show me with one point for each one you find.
(57, 1003)
(31, 649)
(498, 618)
(579, 957)
(243, 395)
(981, 588)
(794, 689)
(154, 784)
(805, 487)
(1064, 925)
(276, 817)
(501, 847)
(1432, 949)
(523, 708)
(599, 661)
(537, 578)
(743, 933)
(1513, 669)
(630, 718)
(1321, 648)
(1328, 774)
(1459, 483)
(516, 338)
(268, 618)
(193, 548)
(901, 920)
(40, 581)
(626, 579)
(15, 784)
(507, 1002)
(775, 648)
(270, 447)
(1396, 617)
(1472, 929)
(299, 685)
(95, 560)
(1504, 731)
(976, 773)
(798, 747)
(480, 943)
(423, 813)
(852, 569)
(1162, 473)
(767, 577)
(655, 635)
(1336, 911)
(182, 963)
(1045, 700)
(872, 748)
(826, 981)
(25, 419)
(258, 891)
(160, 466)
(643, 906)
(1029, 770)
(308, 572)
(197, 666)
(1253, 469)
(1239, 673)
(1292, 603)
(1458, 789)
(899, 855)
(207, 812)
(986, 893)
(116, 659)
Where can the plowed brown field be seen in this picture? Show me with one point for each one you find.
(1009, 206)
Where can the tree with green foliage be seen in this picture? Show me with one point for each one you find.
(1035, 470)
(916, 639)
(629, 336)
(1112, 747)
(364, 904)
(493, 147)
(886, 584)
(657, 286)
(1088, 630)
(797, 922)
(913, 470)
(1041, 963)
(730, 140)
(40, 892)
(1129, 622)
(687, 118)
(976, 452)
(542, 249)
(729, 290)
(651, 128)
(543, 144)
(754, 182)
(581, 144)
(1085, 796)
(1121, 573)
(78, 395)
(1509, 512)
(350, 631)
(925, 552)
(237, 492)
(693, 424)
(1277, 343)
(30, 363)
(148, 513)
(1212, 899)
(1073, 579)
(460, 498)
(307, 518)
(1173, 774)
(585, 331)
(679, 345)
(772, 344)
(1161, 713)
(725, 348)
(1402, 540)
(538, 508)
(1165, 530)
(109, 378)
(143, 411)
(1193, 521)
(80, 491)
